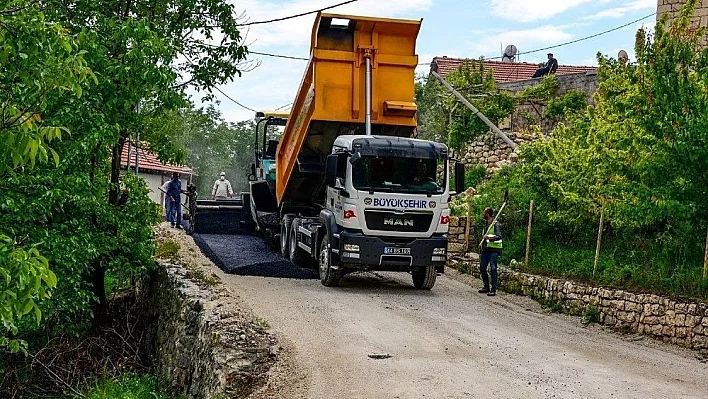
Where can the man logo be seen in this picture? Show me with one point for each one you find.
(432, 204)
(398, 222)
(367, 201)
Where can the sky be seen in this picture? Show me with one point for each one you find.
(453, 28)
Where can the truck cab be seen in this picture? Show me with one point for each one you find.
(385, 209)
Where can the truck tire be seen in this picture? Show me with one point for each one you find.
(424, 277)
(328, 276)
(297, 255)
(284, 236)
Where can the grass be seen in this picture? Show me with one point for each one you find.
(261, 323)
(167, 250)
(129, 386)
(619, 266)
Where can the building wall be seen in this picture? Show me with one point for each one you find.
(586, 82)
(671, 7)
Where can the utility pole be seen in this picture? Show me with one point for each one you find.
(472, 108)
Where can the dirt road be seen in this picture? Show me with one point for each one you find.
(452, 342)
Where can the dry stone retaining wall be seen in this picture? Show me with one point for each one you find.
(202, 346)
(681, 322)
(492, 152)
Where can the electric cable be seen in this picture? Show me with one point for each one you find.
(297, 15)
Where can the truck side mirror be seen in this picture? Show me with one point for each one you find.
(331, 170)
(459, 177)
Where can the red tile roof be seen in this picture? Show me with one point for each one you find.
(503, 71)
(148, 161)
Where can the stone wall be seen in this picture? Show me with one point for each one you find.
(492, 152)
(531, 112)
(672, 7)
(676, 321)
(201, 344)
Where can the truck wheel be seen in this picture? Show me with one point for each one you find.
(284, 237)
(328, 276)
(424, 277)
(297, 255)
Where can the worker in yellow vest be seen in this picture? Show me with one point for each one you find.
(491, 249)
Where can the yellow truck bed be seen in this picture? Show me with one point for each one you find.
(331, 98)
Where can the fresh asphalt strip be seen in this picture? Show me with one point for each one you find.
(248, 255)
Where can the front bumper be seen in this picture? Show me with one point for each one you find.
(371, 254)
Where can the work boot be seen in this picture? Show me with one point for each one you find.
(172, 224)
(492, 293)
(484, 290)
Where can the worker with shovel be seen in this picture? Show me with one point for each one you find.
(491, 249)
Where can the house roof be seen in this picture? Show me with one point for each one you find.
(149, 162)
(503, 71)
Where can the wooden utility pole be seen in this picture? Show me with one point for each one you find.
(468, 226)
(528, 235)
(705, 260)
(599, 240)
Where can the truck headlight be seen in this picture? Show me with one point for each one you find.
(351, 248)
(439, 251)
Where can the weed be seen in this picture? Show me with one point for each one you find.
(199, 274)
(128, 386)
(261, 323)
(167, 250)
(552, 304)
(591, 315)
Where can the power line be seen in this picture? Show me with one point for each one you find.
(236, 102)
(297, 15)
(493, 58)
(569, 42)
(586, 37)
(289, 57)
(283, 106)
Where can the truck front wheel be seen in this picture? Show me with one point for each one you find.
(328, 276)
(424, 277)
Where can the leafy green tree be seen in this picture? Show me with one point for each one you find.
(144, 55)
(38, 61)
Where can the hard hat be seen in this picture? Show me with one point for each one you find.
(223, 174)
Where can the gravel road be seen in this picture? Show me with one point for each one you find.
(451, 342)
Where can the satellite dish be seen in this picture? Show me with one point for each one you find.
(510, 53)
(623, 56)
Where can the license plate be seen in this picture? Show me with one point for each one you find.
(396, 251)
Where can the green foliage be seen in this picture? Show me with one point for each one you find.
(215, 146)
(560, 108)
(167, 250)
(591, 315)
(130, 386)
(25, 279)
(474, 175)
(639, 156)
(443, 118)
(38, 60)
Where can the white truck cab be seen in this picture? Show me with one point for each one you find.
(386, 208)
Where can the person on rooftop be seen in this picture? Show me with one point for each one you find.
(548, 69)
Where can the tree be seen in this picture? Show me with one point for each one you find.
(144, 54)
(38, 61)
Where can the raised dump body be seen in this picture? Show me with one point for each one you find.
(332, 99)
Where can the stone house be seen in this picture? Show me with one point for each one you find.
(490, 151)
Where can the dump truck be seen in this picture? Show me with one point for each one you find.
(353, 191)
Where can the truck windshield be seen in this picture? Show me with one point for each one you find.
(399, 175)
